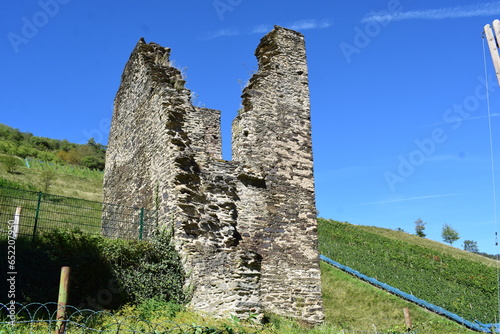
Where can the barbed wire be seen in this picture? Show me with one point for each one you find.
(42, 318)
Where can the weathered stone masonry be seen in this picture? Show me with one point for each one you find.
(246, 228)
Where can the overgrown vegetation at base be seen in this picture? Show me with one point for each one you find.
(150, 317)
(157, 316)
(467, 288)
(105, 273)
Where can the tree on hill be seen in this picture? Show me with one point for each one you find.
(449, 234)
(10, 163)
(419, 228)
(471, 246)
(91, 155)
(46, 179)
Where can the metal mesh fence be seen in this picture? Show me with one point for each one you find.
(28, 213)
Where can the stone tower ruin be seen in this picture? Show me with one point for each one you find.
(246, 229)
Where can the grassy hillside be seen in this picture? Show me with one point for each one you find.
(71, 181)
(436, 246)
(461, 283)
(351, 304)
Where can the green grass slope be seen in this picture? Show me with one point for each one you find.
(436, 246)
(353, 305)
(456, 281)
(68, 181)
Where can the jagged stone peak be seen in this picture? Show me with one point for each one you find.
(154, 52)
(280, 34)
(279, 42)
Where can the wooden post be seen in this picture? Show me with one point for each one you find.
(62, 300)
(406, 312)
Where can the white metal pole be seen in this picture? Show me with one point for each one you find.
(492, 43)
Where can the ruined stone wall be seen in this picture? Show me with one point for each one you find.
(246, 228)
(205, 133)
(273, 133)
(146, 136)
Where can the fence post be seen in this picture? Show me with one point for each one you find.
(15, 228)
(406, 313)
(62, 301)
(37, 214)
(141, 223)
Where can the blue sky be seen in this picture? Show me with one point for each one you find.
(398, 91)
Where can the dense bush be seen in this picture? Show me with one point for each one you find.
(147, 269)
(10, 163)
(105, 273)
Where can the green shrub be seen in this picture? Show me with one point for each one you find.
(157, 307)
(10, 163)
(105, 273)
(46, 179)
(93, 162)
(148, 269)
(16, 185)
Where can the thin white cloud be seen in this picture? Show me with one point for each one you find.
(310, 24)
(475, 10)
(261, 29)
(265, 28)
(480, 117)
(397, 200)
(462, 119)
(221, 33)
(325, 24)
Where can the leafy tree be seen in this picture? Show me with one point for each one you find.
(449, 234)
(40, 143)
(420, 227)
(93, 162)
(11, 163)
(471, 246)
(46, 179)
(98, 148)
(16, 135)
(65, 145)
